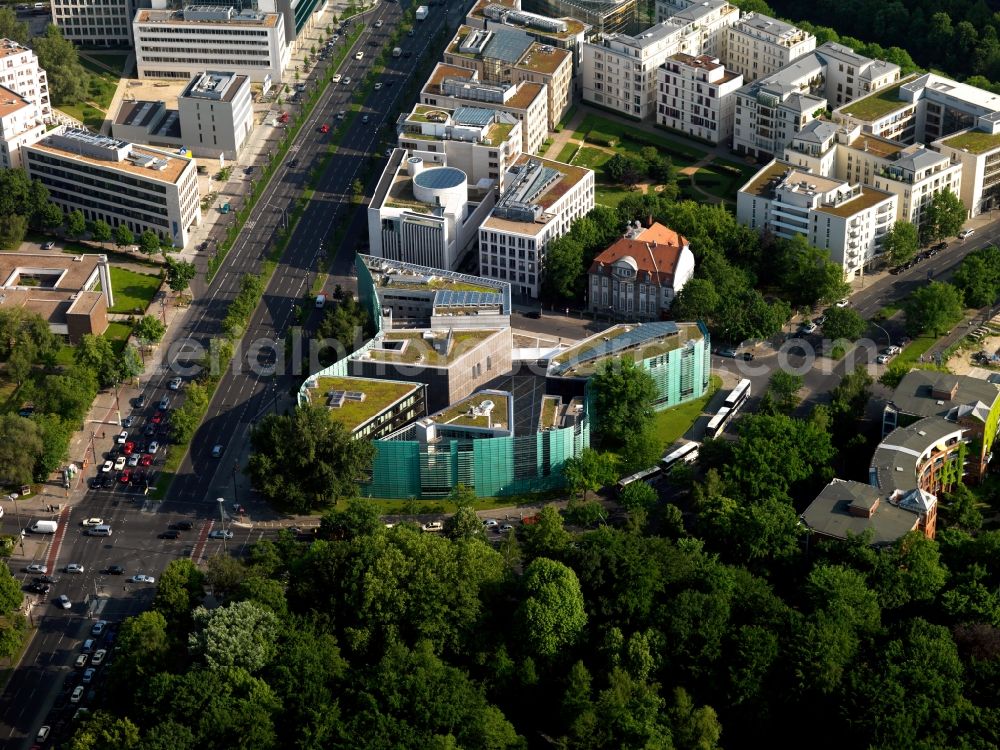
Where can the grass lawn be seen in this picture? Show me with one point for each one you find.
(567, 153)
(682, 153)
(592, 158)
(133, 291)
(102, 83)
(89, 116)
(672, 423)
(118, 333)
(719, 182)
(610, 195)
(913, 350)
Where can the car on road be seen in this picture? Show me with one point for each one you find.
(99, 627)
(92, 522)
(220, 534)
(491, 523)
(378, 24)
(364, 119)
(77, 694)
(120, 463)
(342, 114)
(81, 660)
(74, 568)
(63, 601)
(114, 570)
(88, 675)
(48, 245)
(844, 302)
(107, 466)
(883, 359)
(43, 734)
(122, 437)
(175, 384)
(164, 403)
(432, 527)
(336, 77)
(129, 448)
(147, 460)
(150, 430)
(94, 483)
(142, 578)
(133, 460)
(108, 482)
(506, 528)
(939, 247)
(378, 86)
(99, 656)
(892, 350)
(37, 568)
(808, 328)
(169, 534)
(966, 233)
(154, 420)
(128, 421)
(217, 450)
(293, 163)
(727, 352)
(324, 128)
(820, 320)
(139, 401)
(407, 54)
(346, 81)
(154, 447)
(125, 477)
(39, 588)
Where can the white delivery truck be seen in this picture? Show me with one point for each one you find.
(44, 527)
(397, 52)
(422, 12)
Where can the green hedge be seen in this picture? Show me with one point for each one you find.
(602, 139)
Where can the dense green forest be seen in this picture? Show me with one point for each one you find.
(960, 38)
(702, 624)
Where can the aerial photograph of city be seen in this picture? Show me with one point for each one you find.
(499, 375)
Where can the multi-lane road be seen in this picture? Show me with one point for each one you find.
(243, 393)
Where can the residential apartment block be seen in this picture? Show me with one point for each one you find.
(604, 16)
(102, 24)
(424, 214)
(21, 124)
(213, 119)
(638, 276)
(540, 203)
(180, 43)
(566, 32)
(914, 173)
(481, 142)
(509, 56)
(978, 153)
(696, 97)
(770, 111)
(117, 182)
(450, 87)
(759, 46)
(846, 220)
(20, 72)
(619, 71)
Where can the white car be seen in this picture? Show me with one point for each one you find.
(37, 568)
(808, 327)
(99, 627)
(92, 522)
(120, 462)
(844, 302)
(433, 526)
(153, 447)
(506, 528)
(378, 24)
(99, 656)
(892, 350)
(133, 460)
(81, 660)
(883, 359)
(220, 534)
(966, 233)
(491, 523)
(74, 568)
(378, 86)
(175, 384)
(77, 694)
(63, 601)
(142, 578)
(108, 466)
(123, 437)
(336, 77)
(346, 81)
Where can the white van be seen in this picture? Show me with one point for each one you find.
(320, 300)
(44, 527)
(102, 530)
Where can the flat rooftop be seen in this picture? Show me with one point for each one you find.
(51, 285)
(878, 146)
(171, 173)
(926, 393)
(878, 105)
(432, 284)
(867, 198)
(11, 101)
(828, 514)
(544, 59)
(573, 27)
(139, 113)
(9, 47)
(762, 184)
(412, 347)
(973, 141)
(469, 412)
(527, 92)
(635, 342)
(176, 17)
(215, 86)
(441, 72)
(351, 411)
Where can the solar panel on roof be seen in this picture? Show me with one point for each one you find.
(507, 45)
(624, 340)
(473, 116)
(466, 299)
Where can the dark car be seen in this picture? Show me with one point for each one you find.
(533, 314)
(940, 246)
(407, 54)
(114, 570)
(94, 483)
(139, 401)
(182, 525)
(39, 588)
(46, 579)
(108, 482)
(171, 534)
(748, 356)
(293, 163)
(203, 246)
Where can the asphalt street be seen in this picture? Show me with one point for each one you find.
(35, 693)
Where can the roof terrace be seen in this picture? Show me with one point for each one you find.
(354, 401)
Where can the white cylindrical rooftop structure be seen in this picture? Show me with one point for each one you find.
(441, 186)
(414, 166)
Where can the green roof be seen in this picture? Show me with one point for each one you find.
(646, 350)
(879, 104)
(379, 396)
(417, 349)
(973, 141)
(459, 414)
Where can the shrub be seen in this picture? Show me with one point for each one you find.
(602, 139)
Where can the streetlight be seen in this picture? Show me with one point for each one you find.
(888, 341)
(222, 516)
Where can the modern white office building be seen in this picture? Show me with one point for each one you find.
(565, 32)
(696, 97)
(772, 110)
(508, 56)
(181, 43)
(978, 153)
(21, 124)
(95, 24)
(540, 203)
(483, 143)
(213, 119)
(759, 46)
(425, 214)
(117, 182)
(452, 87)
(619, 71)
(20, 72)
(847, 220)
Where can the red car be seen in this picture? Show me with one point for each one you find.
(324, 128)
(146, 460)
(157, 418)
(126, 476)
(283, 117)
(129, 448)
